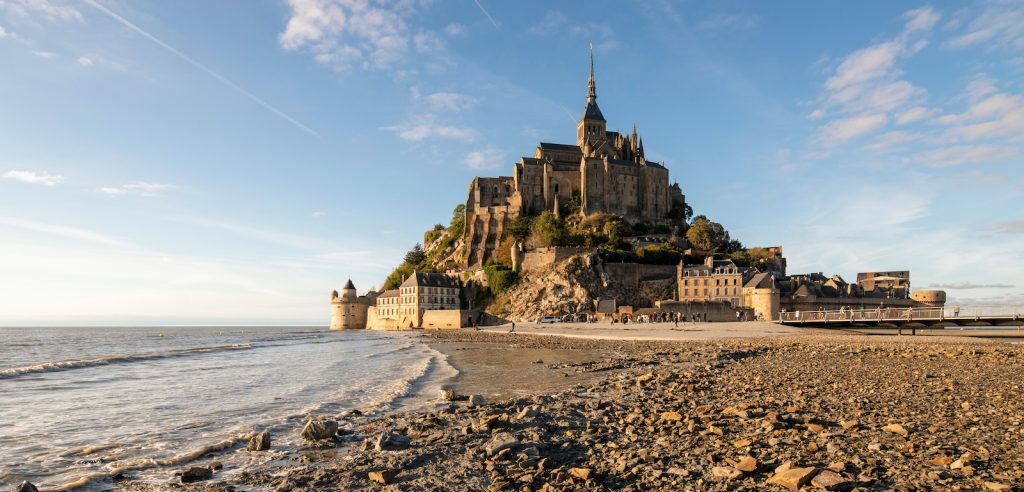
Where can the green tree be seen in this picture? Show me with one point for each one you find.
(707, 235)
(547, 230)
(415, 256)
(519, 228)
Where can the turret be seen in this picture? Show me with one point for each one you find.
(348, 292)
(592, 124)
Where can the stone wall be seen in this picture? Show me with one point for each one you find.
(447, 319)
(718, 311)
(764, 301)
(634, 274)
(348, 315)
(538, 258)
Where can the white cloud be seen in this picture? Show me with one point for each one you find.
(981, 86)
(961, 154)
(423, 127)
(914, 114)
(3, 33)
(317, 215)
(140, 188)
(922, 19)
(1001, 24)
(455, 30)
(730, 21)
(1000, 115)
(33, 177)
(892, 140)
(67, 232)
(51, 10)
(864, 65)
(368, 34)
(842, 130)
(84, 61)
(549, 24)
(1011, 227)
(968, 285)
(816, 114)
(486, 158)
(49, 55)
(450, 101)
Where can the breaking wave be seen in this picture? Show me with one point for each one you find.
(67, 365)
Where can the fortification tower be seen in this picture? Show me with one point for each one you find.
(348, 311)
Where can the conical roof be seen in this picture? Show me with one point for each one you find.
(349, 286)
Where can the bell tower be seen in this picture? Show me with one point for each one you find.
(591, 129)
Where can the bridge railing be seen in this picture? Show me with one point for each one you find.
(904, 314)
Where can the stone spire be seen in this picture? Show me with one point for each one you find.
(633, 140)
(591, 88)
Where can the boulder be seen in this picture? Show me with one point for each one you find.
(671, 416)
(390, 442)
(382, 477)
(26, 486)
(827, 479)
(896, 429)
(319, 430)
(196, 474)
(477, 401)
(259, 441)
(499, 443)
(747, 464)
(449, 395)
(793, 478)
(580, 473)
(725, 473)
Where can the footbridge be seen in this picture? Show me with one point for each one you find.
(897, 317)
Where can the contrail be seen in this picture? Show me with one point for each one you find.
(482, 9)
(225, 81)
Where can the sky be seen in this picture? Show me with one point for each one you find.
(234, 161)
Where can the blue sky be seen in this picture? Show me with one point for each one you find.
(234, 161)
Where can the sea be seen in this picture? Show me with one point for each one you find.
(81, 405)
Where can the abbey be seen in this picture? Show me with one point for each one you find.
(604, 171)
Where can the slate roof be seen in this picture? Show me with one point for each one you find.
(425, 279)
(349, 286)
(389, 293)
(592, 112)
(558, 146)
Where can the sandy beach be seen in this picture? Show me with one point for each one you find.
(751, 407)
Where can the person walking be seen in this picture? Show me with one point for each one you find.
(513, 330)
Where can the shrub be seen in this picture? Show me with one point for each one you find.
(499, 278)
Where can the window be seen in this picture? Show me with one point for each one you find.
(686, 292)
(686, 282)
(717, 292)
(705, 292)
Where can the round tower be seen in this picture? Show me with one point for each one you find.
(348, 311)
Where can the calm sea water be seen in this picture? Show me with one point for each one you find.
(78, 405)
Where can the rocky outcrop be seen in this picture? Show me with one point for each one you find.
(259, 441)
(571, 286)
(319, 430)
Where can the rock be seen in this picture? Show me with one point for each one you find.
(849, 424)
(580, 473)
(477, 401)
(499, 443)
(827, 479)
(259, 441)
(196, 474)
(449, 395)
(26, 486)
(742, 443)
(390, 442)
(941, 461)
(382, 477)
(793, 478)
(725, 473)
(815, 428)
(671, 416)
(747, 464)
(216, 466)
(319, 430)
(996, 486)
(896, 429)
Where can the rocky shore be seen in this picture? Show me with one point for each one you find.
(835, 412)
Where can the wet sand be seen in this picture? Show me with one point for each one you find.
(656, 331)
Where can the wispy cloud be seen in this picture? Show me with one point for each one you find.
(237, 88)
(961, 154)
(49, 55)
(32, 177)
(450, 101)
(75, 233)
(1000, 24)
(53, 11)
(968, 286)
(732, 21)
(85, 61)
(486, 158)
(317, 215)
(139, 188)
(1011, 227)
(280, 238)
(423, 127)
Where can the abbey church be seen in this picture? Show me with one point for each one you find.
(605, 170)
